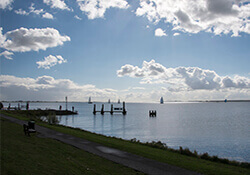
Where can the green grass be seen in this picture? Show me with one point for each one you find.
(21, 154)
(161, 155)
(187, 162)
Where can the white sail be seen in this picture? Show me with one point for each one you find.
(161, 100)
(90, 100)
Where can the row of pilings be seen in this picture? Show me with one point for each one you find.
(112, 110)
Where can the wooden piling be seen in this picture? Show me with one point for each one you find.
(102, 110)
(94, 110)
(124, 112)
(111, 111)
(152, 113)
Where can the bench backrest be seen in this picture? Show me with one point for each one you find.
(31, 124)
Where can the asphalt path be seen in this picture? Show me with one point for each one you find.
(136, 162)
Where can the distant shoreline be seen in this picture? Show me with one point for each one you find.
(200, 101)
(224, 101)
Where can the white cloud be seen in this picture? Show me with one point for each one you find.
(49, 88)
(147, 8)
(176, 34)
(21, 12)
(197, 78)
(51, 61)
(137, 88)
(192, 16)
(182, 78)
(48, 16)
(216, 94)
(23, 39)
(159, 32)
(238, 81)
(60, 4)
(5, 4)
(149, 70)
(32, 10)
(132, 71)
(77, 17)
(35, 11)
(2, 37)
(97, 8)
(7, 55)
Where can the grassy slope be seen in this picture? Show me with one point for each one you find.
(199, 165)
(21, 154)
(195, 164)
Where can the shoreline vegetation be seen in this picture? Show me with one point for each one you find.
(182, 157)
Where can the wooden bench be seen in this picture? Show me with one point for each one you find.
(30, 128)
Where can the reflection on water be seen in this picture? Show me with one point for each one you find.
(221, 129)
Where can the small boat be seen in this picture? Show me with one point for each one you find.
(90, 102)
(119, 101)
(109, 101)
(161, 100)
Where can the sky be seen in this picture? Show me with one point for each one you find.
(135, 51)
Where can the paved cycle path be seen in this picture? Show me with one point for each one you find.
(136, 162)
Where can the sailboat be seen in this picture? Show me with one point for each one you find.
(119, 101)
(161, 100)
(90, 102)
(109, 101)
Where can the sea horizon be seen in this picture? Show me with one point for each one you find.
(176, 101)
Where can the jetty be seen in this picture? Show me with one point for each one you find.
(62, 112)
(112, 110)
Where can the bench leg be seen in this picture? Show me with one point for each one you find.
(25, 128)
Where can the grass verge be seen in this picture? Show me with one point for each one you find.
(21, 154)
(162, 155)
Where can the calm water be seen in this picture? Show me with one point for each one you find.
(221, 129)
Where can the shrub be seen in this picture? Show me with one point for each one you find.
(158, 144)
(205, 156)
(215, 158)
(52, 119)
(187, 152)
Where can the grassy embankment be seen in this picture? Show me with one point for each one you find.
(21, 154)
(194, 163)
